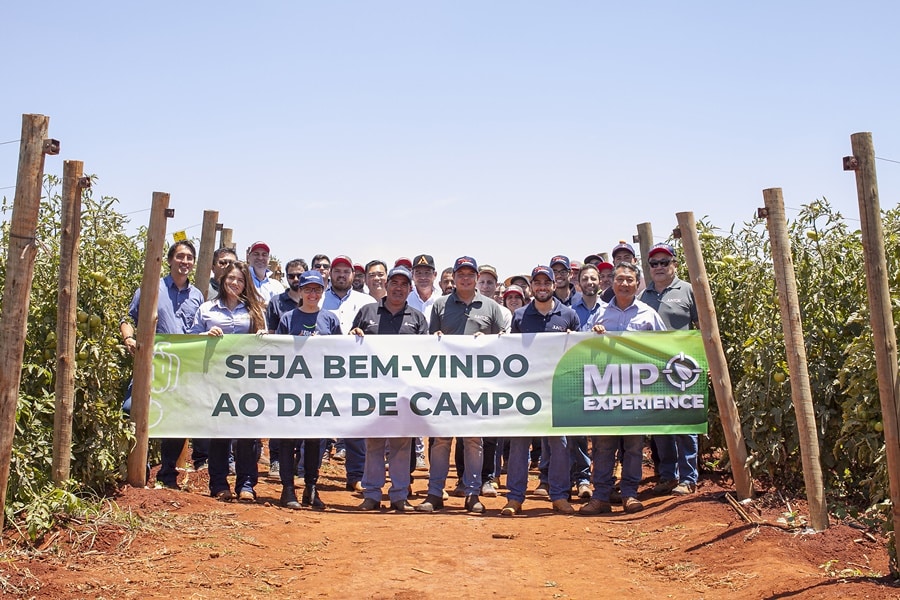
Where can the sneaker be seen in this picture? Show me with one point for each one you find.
(354, 486)
(420, 463)
(231, 468)
(488, 490)
(369, 504)
(543, 490)
(326, 457)
(459, 491)
(473, 504)
(685, 488)
(340, 454)
(247, 497)
(562, 505)
(584, 491)
(431, 504)
(444, 495)
(632, 505)
(511, 509)
(224, 496)
(595, 507)
(201, 465)
(664, 487)
(615, 496)
(402, 506)
(274, 470)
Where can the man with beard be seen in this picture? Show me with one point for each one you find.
(344, 302)
(359, 278)
(545, 313)
(258, 261)
(565, 291)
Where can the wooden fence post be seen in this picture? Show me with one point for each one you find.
(795, 349)
(146, 332)
(225, 239)
(20, 256)
(73, 184)
(718, 366)
(880, 316)
(205, 253)
(645, 239)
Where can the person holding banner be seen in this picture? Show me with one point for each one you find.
(305, 320)
(238, 309)
(465, 311)
(392, 316)
(624, 313)
(545, 313)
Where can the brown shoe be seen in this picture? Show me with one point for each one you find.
(595, 507)
(512, 508)
(562, 505)
(632, 505)
(665, 486)
(369, 504)
(431, 504)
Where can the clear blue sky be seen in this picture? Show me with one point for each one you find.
(510, 131)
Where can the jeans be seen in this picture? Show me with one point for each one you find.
(678, 457)
(581, 462)
(488, 450)
(311, 459)
(355, 461)
(398, 467)
(169, 450)
(440, 465)
(604, 455)
(246, 471)
(556, 451)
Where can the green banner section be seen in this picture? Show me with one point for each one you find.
(390, 386)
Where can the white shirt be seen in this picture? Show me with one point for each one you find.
(345, 308)
(423, 306)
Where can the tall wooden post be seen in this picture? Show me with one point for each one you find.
(881, 318)
(645, 239)
(19, 271)
(146, 332)
(715, 355)
(207, 248)
(225, 239)
(66, 308)
(795, 349)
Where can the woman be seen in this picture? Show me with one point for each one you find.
(237, 309)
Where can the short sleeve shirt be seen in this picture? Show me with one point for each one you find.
(452, 316)
(561, 318)
(377, 319)
(298, 322)
(675, 304)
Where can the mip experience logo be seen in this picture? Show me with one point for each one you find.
(682, 371)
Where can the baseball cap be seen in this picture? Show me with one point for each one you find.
(488, 269)
(605, 265)
(259, 245)
(622, 246)
(559, 259)
(309, 277)
(423, 260)
(465, 261)
(593, 259)
(509, 280)
(341, 260)
(542, 270)
(404, 262)
(574, 266)
(513, 289)
(359, 268)
(401, 270)
(665, 248)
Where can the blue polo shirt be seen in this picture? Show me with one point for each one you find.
(175, 309)
(298, 322)
(561, 318)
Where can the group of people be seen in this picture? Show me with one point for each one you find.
(408, 297)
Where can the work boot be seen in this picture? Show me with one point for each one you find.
(289, 498)
(311, 497)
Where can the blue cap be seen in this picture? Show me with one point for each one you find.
(309, 277)
(542, 270)
(560, 259)
(465, 261)
(666, 248)
(401, 270)
(622, 246)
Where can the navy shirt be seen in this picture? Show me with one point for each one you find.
(560, 318)
(298, 322)
(376, 318)
(277, 307)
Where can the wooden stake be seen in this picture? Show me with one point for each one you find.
(207, 248)
(645, 239)
(66, 319)
(225, 239)
(17, 287)
(718, 366)
(881, 318)
(146, 332)
(795, 348)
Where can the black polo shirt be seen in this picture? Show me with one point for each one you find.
(375, 318)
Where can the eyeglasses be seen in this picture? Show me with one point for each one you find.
(322, 266)
(294, 275)
(660, 263)
(317, 291)
(560, 271)
(222, 262)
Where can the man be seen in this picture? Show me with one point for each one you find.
(222, 259)
(344, 303)
(575, 275)
(545, 313)
(376, 278)
(359, 278)
(404, 262)
(177, 304)
(446, 281)
(565, 291)
(605, 272)
(462, 312)
(624, 313)
(392, 316)
(258, 261)
(673, 299)
(621, 252)
(275, 268)
(322, 264)
(523, 282)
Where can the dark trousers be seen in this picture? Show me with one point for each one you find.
(311, 459)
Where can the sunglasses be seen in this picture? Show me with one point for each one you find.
(224, 261)
(322, 266)
(660, 263)
(294, 275)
